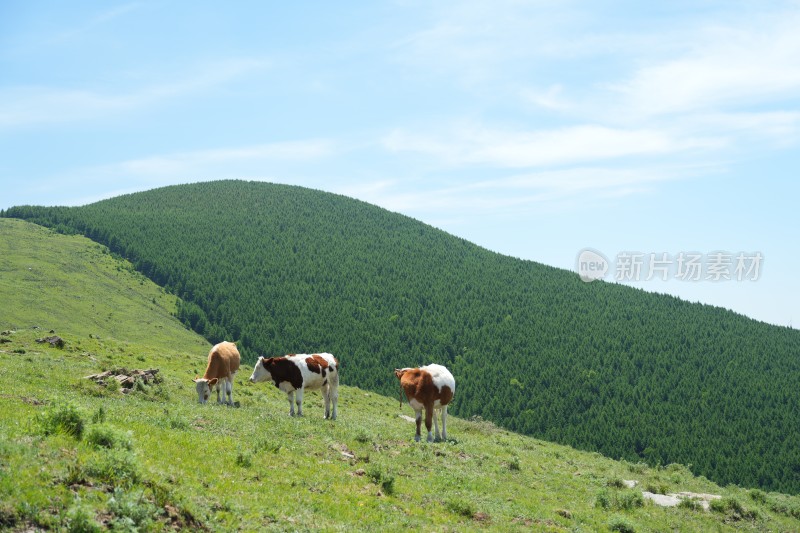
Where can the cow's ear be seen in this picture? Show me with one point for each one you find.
(399, 372)
(212, 382)
(196, 379)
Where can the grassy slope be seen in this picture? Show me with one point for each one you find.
(254, 468)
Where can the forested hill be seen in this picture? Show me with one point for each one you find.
(598, 366)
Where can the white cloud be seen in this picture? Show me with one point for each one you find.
(543, 189)
(187, 163)
(471, 144)
(756, 62)
(24, 106)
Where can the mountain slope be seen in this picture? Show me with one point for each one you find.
(598, 366)
(154, 460)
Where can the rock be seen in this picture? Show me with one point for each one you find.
(126, 378)
(671, 500)
(664, 500)
(629, 483)
(407, 418)
(55, 341)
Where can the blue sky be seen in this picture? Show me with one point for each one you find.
(535, 129)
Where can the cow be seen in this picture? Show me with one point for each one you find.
(296, 373)
(430, 387)
(223, 362)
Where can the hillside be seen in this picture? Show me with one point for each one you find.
(597, 366)
(153, 459)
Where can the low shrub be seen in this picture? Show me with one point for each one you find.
(461, 507)
(117, 468)
(106, 436)
(81, 520)
(132, 511)
(244, 459)
(382, 479)
(621, 501)
(622, 525)
(62, 418)
(690, 504)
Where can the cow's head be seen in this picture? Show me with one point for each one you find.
(204, 388)
(262, 370)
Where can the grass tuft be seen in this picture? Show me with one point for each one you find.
(63, 418)
(382, 479)
(106, 436)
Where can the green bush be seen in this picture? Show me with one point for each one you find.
(99, 416)
(690, 504)
(114, 467)
(629, 500)
(132, 511)
(620, 524)
(244, 459)
(758, 496)
(734, 509)
(382, 479)
(615, 483)
(62, 418)
(622, 501)
(461, 507)
(657, 488)
(80, 520)
(106, 436)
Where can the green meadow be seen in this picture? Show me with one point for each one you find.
(80, 456)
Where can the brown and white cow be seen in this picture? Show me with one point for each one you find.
(293, 374)
(223, 362)
(431, 388)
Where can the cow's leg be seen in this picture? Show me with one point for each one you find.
(334, 396)
(326, 396)
(419, 422)
(428, 417)
(436, 412)
(444, 423)
(299, 401)
(290, 395)
(229, 388)
(220, 385)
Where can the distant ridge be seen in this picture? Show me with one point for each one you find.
(598, 366)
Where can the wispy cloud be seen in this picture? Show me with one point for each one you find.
(474, 144)
(750, 63)
(96, 20)
(188, 163)
(542, 189)
(24, 106)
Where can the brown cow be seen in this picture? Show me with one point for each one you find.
(223, 362)
(431, 388)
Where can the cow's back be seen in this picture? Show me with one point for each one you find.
(317, 369)
(223, 360)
